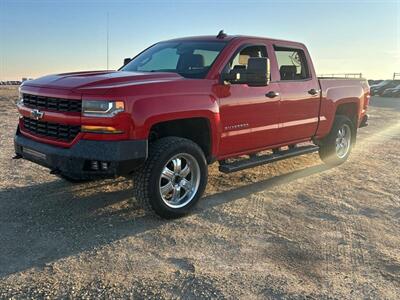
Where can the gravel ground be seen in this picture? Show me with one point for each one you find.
(290, 230)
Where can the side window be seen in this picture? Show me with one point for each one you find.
(292, 63)
(240, 60)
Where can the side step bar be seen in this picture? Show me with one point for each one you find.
(265, 159)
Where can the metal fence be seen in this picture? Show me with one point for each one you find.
(10, 82)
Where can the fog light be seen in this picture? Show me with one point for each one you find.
(100, 129)
(94, 165)
(104, 165)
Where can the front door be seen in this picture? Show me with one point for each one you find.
(249, 114)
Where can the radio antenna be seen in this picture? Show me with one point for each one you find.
(108, 36)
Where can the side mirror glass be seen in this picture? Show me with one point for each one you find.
(258, 71)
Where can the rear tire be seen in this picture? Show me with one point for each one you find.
(173, 178)
(336, 147)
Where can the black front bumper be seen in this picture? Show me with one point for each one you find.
(121, 157)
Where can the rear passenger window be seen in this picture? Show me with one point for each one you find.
(292, 63)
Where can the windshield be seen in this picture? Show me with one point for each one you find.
(382, 83)
(189, 59)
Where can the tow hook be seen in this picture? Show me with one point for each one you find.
(17, 156)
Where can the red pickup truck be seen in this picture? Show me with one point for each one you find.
(185, 103)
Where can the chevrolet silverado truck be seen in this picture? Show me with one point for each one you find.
(185, 103)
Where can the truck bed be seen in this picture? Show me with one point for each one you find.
(336, 91)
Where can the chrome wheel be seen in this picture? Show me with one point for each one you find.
(343, 141)
(179, 180)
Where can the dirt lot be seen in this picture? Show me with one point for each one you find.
(292, 229)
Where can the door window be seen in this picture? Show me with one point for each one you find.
(292, 63)
(241, 59)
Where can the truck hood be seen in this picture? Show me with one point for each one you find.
(100, 80)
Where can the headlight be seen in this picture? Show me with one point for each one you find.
(108, 109)
(20, 96)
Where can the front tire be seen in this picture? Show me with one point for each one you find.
(173, 177)
(336, 147)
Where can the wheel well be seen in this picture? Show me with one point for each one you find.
(349, 110)
(194, 129)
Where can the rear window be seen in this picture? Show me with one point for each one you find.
(292, 63)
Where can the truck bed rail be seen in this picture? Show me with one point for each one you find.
(341, 75)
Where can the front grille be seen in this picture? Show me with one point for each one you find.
(65, 133)
(56, 104)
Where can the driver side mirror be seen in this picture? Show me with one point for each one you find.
(257, 73)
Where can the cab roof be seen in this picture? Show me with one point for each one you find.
(228, 38)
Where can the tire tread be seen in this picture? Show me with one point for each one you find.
(327, 147)
(142, 175)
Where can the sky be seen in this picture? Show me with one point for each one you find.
(40, 37)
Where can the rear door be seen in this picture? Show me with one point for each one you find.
(300, 95)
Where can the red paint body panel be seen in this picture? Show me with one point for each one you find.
(249, 119)
(241, 118)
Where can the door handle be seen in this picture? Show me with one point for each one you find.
(313, 92)
(272, 94)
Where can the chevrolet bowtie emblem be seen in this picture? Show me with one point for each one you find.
(36, 114)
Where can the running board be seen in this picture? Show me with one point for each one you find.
(265, 159)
